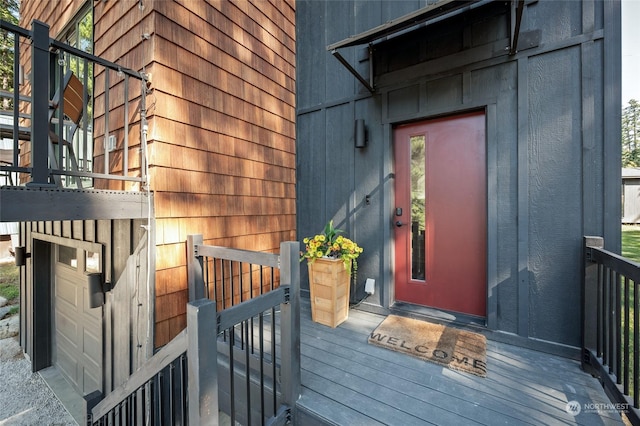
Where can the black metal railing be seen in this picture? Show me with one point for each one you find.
(29, 125)
(156, 394)
(611, 325)
(263, 366)
(242, 361)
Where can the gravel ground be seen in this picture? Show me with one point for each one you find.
(25, 399)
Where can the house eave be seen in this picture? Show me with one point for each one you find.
(24, 204)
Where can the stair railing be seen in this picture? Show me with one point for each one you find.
(219, 366)
(611, 325)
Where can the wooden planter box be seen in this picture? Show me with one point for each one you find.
(329, 284)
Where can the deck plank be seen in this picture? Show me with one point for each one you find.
(347, 381)
(319, 409)
(415, 378)
(402, 395)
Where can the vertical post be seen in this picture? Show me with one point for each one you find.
(290, 323)
(589, 299)
(202, 356)
(40, 333)
(89, 401)
(195, 278)
(40, 105)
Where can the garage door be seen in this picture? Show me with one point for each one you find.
(77, 329)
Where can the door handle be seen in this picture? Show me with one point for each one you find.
(399, 224)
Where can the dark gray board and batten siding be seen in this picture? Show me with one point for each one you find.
(553, 153)
(127, 315)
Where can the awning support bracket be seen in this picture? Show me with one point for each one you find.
(517, 7)
(356, 74)
(438, 11)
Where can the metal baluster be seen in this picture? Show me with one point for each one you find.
(606, 317)
(617, 323)
(132, 409)
(140, 398)
(273, 279)
(117, 413)
(251, 297)
(247, 371)
(240, 281)
(600, 311)
(215, 280)
(169, 393)
(273, 354)
(218, 287)
(233, 298)
(146, 403)
(124, 412)
(224, 298)
(636, 345)
(261, 337)
(183, 381)
(206, 277)
(233, 283)
(131, 419)
(156, 412)
(231, 381)
(627, 326)
(612, 321)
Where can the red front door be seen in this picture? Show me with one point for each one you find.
(441, 213)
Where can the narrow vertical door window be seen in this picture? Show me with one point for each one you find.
(417, 207)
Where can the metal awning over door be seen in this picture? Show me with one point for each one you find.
(436, 12)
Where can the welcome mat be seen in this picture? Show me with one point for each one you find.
(450, 347)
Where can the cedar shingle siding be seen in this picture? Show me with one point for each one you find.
(221, 117)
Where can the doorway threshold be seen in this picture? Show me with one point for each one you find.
(62, 389)
(438, 315)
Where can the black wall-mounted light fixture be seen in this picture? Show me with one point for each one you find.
(21, 255)
(360, 134)
(96, 290)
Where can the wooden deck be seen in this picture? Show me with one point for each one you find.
(346, 381)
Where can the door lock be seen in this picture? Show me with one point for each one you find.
(399, 224)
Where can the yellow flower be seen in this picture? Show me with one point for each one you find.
(333, 245)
